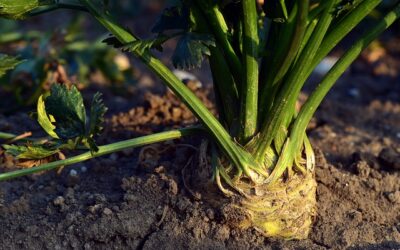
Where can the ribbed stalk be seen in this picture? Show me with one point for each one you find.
(283, 107)
(284, 61)
(239, 157)
(220, 30)
(341, 29)
(249, 102)
(6, 136)
(107, 149)
(294, 141)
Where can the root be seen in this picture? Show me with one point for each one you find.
(283, 210)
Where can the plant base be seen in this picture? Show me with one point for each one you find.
(282, 210)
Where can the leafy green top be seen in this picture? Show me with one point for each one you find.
(191, 46)
(62, 115)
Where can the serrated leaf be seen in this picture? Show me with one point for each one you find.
(66, 106)
(190, 50)
(44, 120)
(143, 45)
(97, 111)
(139, 45)
(29, 152)
(8, 63)
(173, 18)
(18, 9)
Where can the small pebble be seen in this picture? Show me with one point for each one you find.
(59, 201)
(363, 169)
(107, 211)
(354, 92)
(73, 172)
(325, 65)
(93, 209)
(210, 214)
(114, 156)
(394, 197)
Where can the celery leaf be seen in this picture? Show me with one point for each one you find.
(190, 50)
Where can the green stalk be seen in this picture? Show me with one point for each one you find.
(225, 89)
(239, 157)
(249, 102)
(106, 149)
(317, 10)
(341, 29)
(220, 29)
(310, 29)
(284, 106)
(224, 84)
(269, 85)
(6, 136)
(293, 142)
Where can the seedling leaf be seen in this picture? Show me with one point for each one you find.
(66, 106)
(190, 50)
(8, 63)
(34, 152)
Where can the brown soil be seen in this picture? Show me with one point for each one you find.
(129, 200)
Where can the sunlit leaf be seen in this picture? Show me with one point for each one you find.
(66, 106)
(44, 120)
(29, 151)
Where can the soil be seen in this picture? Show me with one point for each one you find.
(137, 199)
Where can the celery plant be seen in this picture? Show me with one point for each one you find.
(260, 58)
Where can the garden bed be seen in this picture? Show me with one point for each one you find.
(131, 201)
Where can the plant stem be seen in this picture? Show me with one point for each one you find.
(239, 157)
(224, 85)
(225, 89)
(249, 102)
(106, 149)
(269, 86)
(310, 106)
(220, 29)
(284, 106)
(6, 136)
(342, 29)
